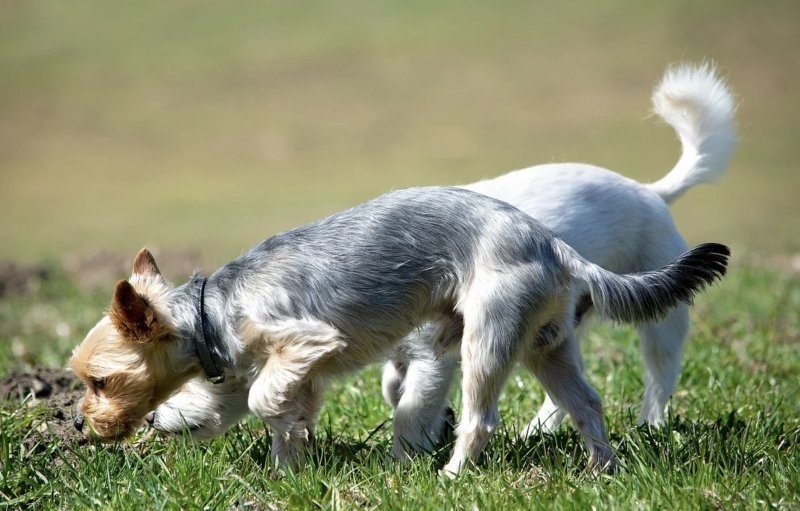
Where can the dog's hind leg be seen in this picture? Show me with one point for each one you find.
(481, 385)
(392, 378)
(661, 342)
(559, 371)
(550, 417)
(662, 352)
(417, 383)
(488, 351)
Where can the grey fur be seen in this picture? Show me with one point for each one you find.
(395, 260)
(375, 272)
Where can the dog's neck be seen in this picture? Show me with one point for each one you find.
(205, 342)
(194, 310)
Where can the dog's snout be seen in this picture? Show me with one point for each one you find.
(150, 418)
(78, 423)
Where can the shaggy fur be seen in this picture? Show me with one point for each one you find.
(307, 305)
(615, 222)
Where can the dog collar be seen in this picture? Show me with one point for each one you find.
(204, 351)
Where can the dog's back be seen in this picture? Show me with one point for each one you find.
(411, 254)
(394, 259)
(609, 219)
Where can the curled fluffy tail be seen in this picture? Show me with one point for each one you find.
(700, 108)
(650, 295)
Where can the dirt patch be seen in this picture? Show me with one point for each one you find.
(58, 390)
(58, 420)
(17, 279)
(41, 384)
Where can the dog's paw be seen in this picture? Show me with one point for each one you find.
(602, 465)
(448, 474)
(455, 467)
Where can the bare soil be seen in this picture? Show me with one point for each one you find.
(58, 390)
(17, 279)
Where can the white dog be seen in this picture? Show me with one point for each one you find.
(613, 221)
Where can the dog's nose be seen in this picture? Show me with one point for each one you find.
(150, 418)
(78, 423)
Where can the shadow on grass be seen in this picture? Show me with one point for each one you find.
(326, 450)
(728, 444)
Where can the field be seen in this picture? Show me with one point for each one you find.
(199, 128)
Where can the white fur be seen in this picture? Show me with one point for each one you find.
(701, 109)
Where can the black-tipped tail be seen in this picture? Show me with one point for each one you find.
(647, 296)
(700, 267)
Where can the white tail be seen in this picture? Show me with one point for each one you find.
(700, 108)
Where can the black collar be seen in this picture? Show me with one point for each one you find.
(204, 351)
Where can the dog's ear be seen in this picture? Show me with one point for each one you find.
(145, 264)
(133, 315)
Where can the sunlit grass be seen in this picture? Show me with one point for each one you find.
(732, 440)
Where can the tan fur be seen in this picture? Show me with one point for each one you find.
(293, 347)
(145, 264)
(132, 314)
(122, 360)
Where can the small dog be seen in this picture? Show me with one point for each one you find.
(320, 300)
(615, 222)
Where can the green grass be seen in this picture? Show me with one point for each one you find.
(732, 442)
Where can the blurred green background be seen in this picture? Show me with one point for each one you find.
(212, 124)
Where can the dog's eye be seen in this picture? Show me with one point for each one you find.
(98, 383)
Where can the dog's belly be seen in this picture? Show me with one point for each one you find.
(355, 356)
(430, 335)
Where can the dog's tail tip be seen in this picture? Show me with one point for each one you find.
(711, 250)
(694, 90)
(712, 259)
(697, 103)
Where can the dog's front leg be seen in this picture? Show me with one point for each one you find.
(288, 391)
(290, 413)
(293, 433)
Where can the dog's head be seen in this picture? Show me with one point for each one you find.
(124, 360)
